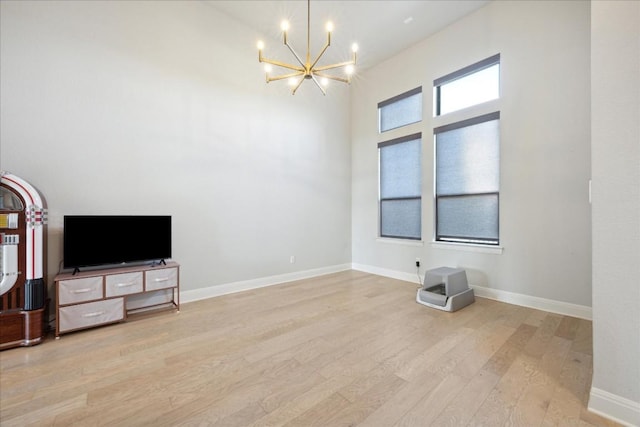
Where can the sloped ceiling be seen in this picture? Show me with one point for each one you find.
(381, 28)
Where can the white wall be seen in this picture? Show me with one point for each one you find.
(545, 152)
(615, 127)
(161, 108)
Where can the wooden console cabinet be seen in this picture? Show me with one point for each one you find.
(99, 297)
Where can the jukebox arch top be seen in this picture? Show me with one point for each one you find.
(22, 262)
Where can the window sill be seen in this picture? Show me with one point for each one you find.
(406, 242)
(466, 247)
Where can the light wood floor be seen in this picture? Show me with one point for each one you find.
(344, 349)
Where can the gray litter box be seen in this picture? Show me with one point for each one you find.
(445, 289)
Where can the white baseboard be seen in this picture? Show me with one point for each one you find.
(245, 285)
(544, 304)
(552, 306)
(614, 407)
(400, 275)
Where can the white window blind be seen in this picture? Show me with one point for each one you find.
(468, 180)
(400, 175)
(400, 110)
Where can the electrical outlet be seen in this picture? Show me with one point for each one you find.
(417, 262)
(292, 259)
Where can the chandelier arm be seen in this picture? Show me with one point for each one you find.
(308, 32)
(318, 84)
(282, 64)
(322, 52)
(284, 76)
(329, 76)
(293, 92)
(294, 54)
(332, 66)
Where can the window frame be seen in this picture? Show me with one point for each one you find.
(392, 100)
(452, 121)
(467, 240)
(383, 144)
(463, 72)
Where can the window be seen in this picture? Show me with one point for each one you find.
(467, 157)
(472, 85)
(401, 187)
(400, 110)
(400, 168)
(467, 180)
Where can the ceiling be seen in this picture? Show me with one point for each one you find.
(381, 28)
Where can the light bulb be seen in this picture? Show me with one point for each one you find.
(267, 68)
(329, 26)
(260, 45)
(293, 81)
(349, 69)
(284, 25)
(324, 81)
(354, 47)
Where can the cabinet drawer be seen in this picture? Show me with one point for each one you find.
(90, 314)
(78, 290)
(149, 299)
(161, 279)
(123, 284)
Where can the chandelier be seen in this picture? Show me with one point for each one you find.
(307, 70)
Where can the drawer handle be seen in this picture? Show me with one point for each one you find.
(94, 314)
(80, 291)
(161, 279)
(124, 285)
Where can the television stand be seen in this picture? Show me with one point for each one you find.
(86, 299)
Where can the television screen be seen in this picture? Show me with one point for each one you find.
(94, 240)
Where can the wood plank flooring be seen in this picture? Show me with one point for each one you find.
(346, 349)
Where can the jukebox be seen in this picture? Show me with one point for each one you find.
(23, 292)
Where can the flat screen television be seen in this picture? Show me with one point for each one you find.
(103, 240)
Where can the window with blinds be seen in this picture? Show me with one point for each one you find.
(468, 180)
(467, 156)
(401, 187)
(400, 168)
(400, 110)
